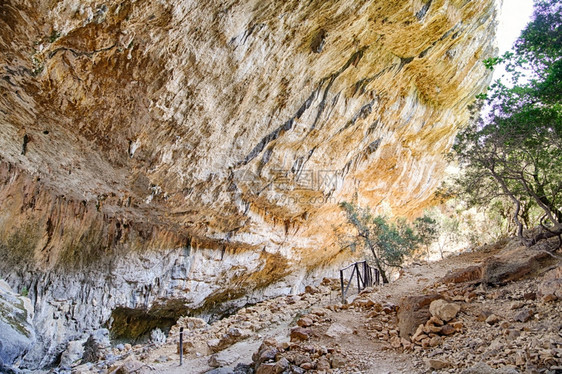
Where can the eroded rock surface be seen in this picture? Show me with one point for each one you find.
(161, 157)
(17, 335)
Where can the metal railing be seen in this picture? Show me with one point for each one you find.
(370, 277)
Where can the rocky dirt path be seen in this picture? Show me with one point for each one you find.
(513, 326)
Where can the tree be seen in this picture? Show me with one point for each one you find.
(387, 242)
(516, 151)
(427, 231)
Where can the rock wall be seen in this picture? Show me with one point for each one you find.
(174, 156)
(17, 334)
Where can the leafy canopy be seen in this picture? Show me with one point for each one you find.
(516, 151)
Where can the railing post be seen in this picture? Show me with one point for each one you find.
(342, 288)
(181, 346)
(358, 278)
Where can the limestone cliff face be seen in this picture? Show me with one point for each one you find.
(175, 155)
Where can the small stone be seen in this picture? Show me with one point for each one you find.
(336, 330)
(524, 315)
(305, 366)
(458, 326)
(482, 315)
(214, 344)
(387, 308)
(435, 341)
(517, 305)
(282, 365)
(130, 366)
(338, 361)
(492, 319)
(419, 332)
(318, 311)
(323, 363)
(311, 290)
(436, 321)
(429, 328)
(436, 364)
(304, 322)
(513, 334)
(269, 368)
(479, 368)
(267, 354)
(299, 333)
(395, 342)
(448, 330)
(406, 343)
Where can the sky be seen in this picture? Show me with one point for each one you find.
(514, 16)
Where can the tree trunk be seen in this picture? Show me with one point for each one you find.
(516, 202)
(383, 275)
(378, 263)
(542, 201)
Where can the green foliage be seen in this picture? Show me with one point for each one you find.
(388, 242)
(24, 291)
(489, 63)
(516, 152)
(54, 36)
(426, 229)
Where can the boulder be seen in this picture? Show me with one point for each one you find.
(469, 274)
(551, 287)
(17, 335)
(512, 266)
(73, 353)
(443, 310)
(266, 352)
(413, 311)
(94, 347)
